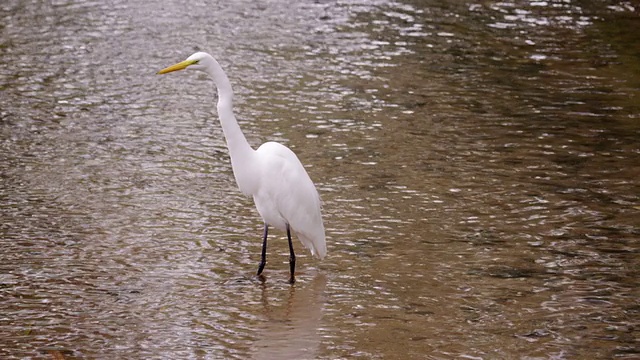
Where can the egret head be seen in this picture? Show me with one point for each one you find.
(197, 61)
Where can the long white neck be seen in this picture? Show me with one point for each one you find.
(241, 153)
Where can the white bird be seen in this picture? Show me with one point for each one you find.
(284, 195)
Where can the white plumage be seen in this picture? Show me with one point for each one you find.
(284, 195)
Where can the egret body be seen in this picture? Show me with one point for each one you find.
(282, 191)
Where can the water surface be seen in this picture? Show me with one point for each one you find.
(478, 164)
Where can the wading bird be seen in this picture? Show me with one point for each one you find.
(284, 195)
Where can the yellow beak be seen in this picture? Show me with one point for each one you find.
(179, 66)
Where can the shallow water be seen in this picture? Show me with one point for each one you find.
(478, 165)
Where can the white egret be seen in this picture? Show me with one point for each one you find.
(284, 195)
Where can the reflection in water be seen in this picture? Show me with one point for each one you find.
(477, 162)
(291, 328)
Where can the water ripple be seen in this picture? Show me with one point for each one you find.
(476, 163)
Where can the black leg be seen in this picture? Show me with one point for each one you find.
(292, 258)
(263, 259)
